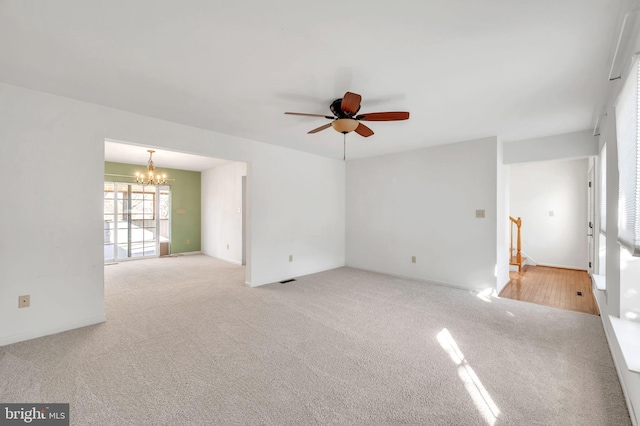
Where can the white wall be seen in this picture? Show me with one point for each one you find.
(423, 203)
(222, 211)
(502, 221)
(52, 163)
(561, 187)
(566, 145)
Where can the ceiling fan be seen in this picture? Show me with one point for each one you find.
(346, 118)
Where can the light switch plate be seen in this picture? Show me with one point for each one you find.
(480, 214)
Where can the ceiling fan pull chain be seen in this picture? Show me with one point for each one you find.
(344, 151)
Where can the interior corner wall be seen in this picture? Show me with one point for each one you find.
(560, 187)
(185, 202)
(52, 228)
(423, 203)
(222, 212)
(502, 222)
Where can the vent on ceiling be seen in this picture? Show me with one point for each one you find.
(287, 281)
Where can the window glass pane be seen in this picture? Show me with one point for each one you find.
(108, 190)
(123, 251)
(149, 249)
(137, 249)
(164, 203)
(108, 207)
(136, 234)
(149, 234)
(108, 252)
(108, 235)
(123, 235)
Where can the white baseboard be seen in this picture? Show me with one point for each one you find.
(529, 260)
(54, 330)
(425, 280)
(187, 253)
(575, 268)
(273, 280)
(224, 259)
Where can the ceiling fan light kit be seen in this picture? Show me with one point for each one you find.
(344, 125)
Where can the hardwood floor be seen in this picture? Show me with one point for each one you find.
(552, 287)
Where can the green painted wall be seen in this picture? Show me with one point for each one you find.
(185, 202)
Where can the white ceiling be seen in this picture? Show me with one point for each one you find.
(134, 154)
(465, 69)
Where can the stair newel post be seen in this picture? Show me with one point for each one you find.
(519, 255)
(510, 240)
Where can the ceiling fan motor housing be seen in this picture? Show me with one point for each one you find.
(336, 109)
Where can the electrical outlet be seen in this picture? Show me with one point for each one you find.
(290, 258)
(413, 259)
(188, 241)
(480, 214)
(551, 213)
(227, 246)
(24, 301)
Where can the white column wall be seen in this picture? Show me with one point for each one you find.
(222, 211)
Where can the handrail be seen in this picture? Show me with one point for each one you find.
(518, 223)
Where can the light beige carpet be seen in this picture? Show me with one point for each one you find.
(187, 343)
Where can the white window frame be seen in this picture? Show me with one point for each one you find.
(628, 143)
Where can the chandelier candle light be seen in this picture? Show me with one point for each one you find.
(150, 178)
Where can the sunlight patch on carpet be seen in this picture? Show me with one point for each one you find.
(472, 383)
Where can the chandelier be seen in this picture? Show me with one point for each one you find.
(149, 177)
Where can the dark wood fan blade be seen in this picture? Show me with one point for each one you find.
(310, 115)
(363, 130)
(350, 103)
(326, 126)
(384, 116)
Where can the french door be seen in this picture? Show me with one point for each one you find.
(136, 220)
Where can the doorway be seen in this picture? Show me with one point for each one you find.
(202, 209)
(592, 219)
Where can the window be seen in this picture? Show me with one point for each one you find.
(136, 220)
(627, 121)
(603, 189)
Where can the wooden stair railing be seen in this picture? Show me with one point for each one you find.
(517, 259)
